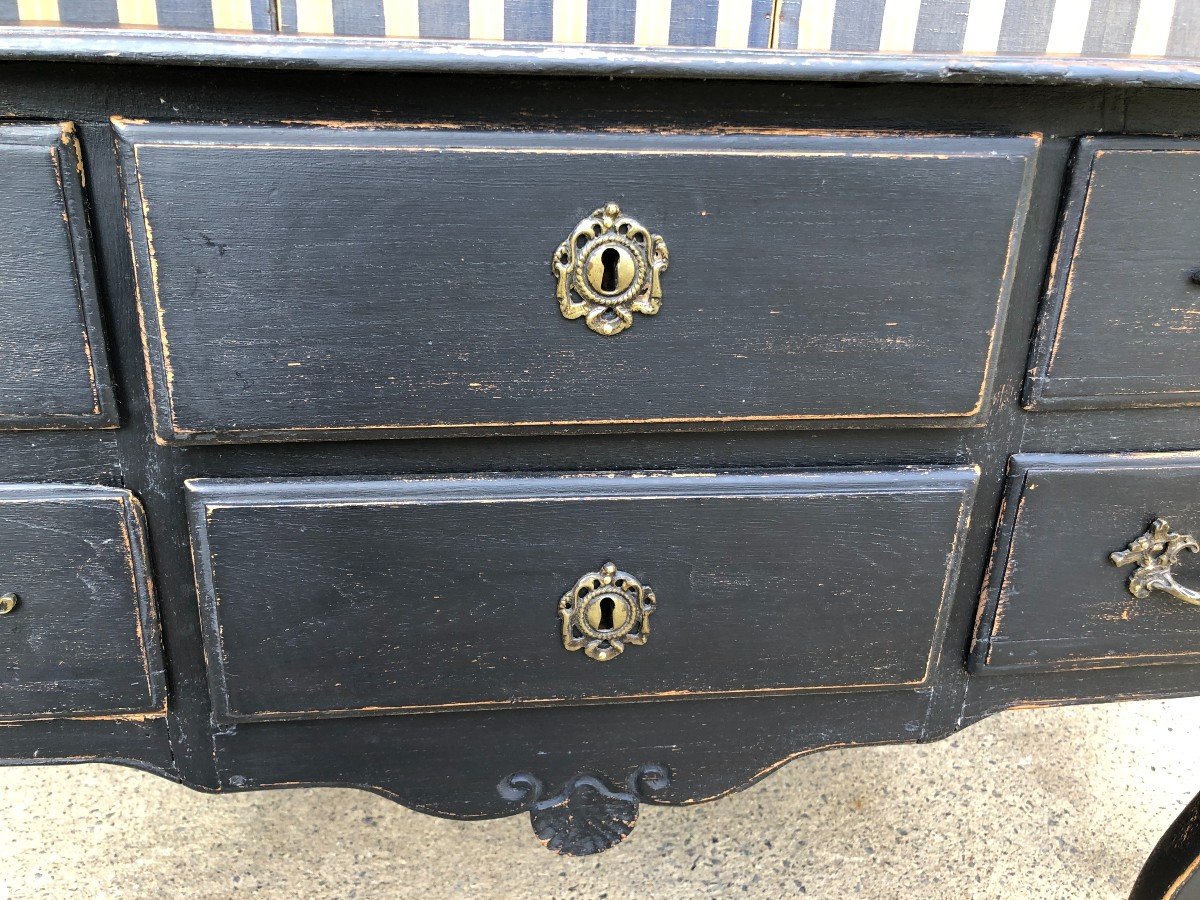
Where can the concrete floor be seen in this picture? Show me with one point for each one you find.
(1057, 803)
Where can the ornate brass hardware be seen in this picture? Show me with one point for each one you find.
(1155, 552)
(604, 611)
(8, 602)
(608, 269)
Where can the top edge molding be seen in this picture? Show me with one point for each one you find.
(181, 48)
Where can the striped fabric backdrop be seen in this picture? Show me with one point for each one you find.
(1091, 28)
(203, 15)
(731, 24)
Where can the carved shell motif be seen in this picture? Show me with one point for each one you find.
(588, 819)
(587, 815)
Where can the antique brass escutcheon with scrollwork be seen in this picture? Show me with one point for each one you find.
(604, 611)
(608, 269)
(1155, 552)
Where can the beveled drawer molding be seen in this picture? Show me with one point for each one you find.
(55, 368)
(345, 598)
(81, 635)
(1120, 326)
(1059, 594)
(309, 283)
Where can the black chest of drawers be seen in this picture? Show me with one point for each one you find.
(878, 418)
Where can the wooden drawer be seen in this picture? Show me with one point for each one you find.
(55, 371)
(334, 598)
(1121, 321)
(83, 636)
(1057, 598)
(315, 282)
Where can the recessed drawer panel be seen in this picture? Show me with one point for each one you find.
(55, 371)
(345, 597)
(78, 630)
(308, 283)
(1121, 324)
(1095, 564)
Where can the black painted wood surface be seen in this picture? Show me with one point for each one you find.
(55, 366)
(452, 762)
(1122, 315)
(83, 638)
(1056, 599)
(316, 283)
(1173, 870)
(447, 58)
(343, 598)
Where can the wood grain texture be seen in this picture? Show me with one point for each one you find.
(1122, 315)
(83, 639)
(344, 598)
(308, 283)
(995, 691)
(55, 372)
(1055, 599)
(137, 741)
(449, 764)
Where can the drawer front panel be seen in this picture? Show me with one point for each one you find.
(55, 372)
(1120, 325)
(1057, 598)
(315, 282)
(346, 598)
(83, 637)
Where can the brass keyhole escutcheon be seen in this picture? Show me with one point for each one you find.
(605, 612)
(8, 602)
(611, 270)
(608, 612)
(608, 269)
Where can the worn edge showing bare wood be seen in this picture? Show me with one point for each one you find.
(1115, 684)
(183, 48)
(993, 599)
(207, 496)
(1175, 861)
(66, 159)
(1052, 315)
(732, 777)
(133, 135)
(136, 553)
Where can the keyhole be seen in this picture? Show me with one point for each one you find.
(608, 283)
(607, 605)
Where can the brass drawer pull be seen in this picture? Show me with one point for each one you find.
(608, 269)
(604, 611)
(1155, 552)
(8, 602)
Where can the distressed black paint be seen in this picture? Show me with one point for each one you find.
(1122, 315)
(351, 597)
(450, 762)
(83, 638)
(55, 366)
(1061, 602)
(316, 283)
